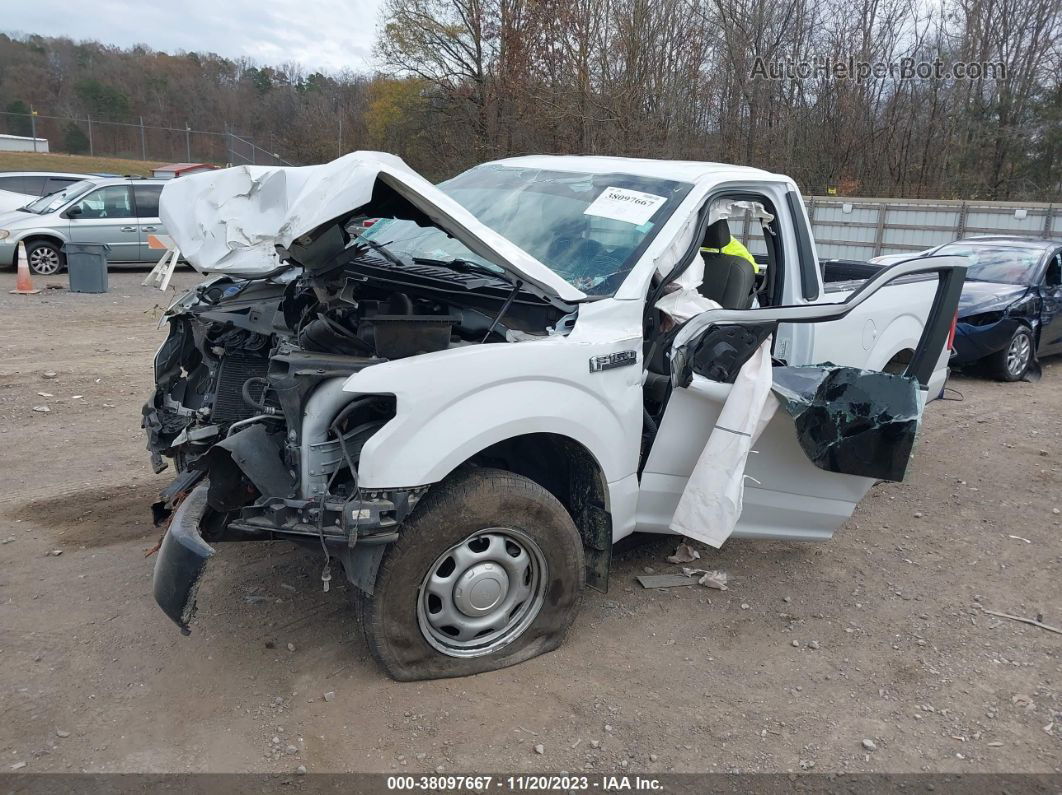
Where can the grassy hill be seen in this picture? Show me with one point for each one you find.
(38, 161)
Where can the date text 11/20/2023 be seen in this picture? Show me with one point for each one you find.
(523, 783)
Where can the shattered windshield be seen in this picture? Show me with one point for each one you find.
(996, 263)
(588, 228)
(53, 201)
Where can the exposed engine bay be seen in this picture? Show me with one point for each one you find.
(249, 384)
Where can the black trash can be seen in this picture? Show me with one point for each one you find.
(87, 265)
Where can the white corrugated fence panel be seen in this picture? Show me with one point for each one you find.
(920, 238)
(1005, 220)
(848, 234)
(912, 225)
(907, 215)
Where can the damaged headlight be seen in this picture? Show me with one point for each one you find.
(983, 318)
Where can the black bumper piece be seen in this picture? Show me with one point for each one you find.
(182, 559)
(973, 343)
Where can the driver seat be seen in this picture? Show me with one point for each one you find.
(728, 280)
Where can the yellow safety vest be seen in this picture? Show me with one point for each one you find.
(735, 249)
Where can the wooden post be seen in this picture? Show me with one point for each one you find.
(879, 233)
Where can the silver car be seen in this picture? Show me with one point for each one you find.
(121, 212)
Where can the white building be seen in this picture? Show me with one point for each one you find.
(174, 170)
(22, 143)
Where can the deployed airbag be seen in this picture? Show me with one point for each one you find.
(684, 301)
(710, 505)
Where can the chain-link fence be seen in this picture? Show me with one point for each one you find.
(139, 141)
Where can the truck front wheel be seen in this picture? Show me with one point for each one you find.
(486, 574)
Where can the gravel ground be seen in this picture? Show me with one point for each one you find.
(867, 653)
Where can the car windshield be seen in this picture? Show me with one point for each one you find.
(53, 201)
(993, 262)
(588, 228)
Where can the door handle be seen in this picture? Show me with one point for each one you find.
(149, 228)
(128, 228)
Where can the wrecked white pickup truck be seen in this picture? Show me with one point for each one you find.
(463, 395)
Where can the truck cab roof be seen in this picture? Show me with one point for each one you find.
(693, 171)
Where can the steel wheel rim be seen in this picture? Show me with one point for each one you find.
(44, 261)
(482, 593)
(1018, 354)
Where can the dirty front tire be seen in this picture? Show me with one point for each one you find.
(459, 544)
(1011, 363)
(45, 258)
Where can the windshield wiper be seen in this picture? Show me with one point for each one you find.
(464, 266)
(382, 248)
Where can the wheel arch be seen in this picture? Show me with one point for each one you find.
(569, 471)
(896, 339)
(1036, 329)
(564, 467)
(47, 237)
(899, 361)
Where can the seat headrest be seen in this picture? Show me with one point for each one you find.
(717, 235)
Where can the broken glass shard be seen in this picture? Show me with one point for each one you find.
(852, 421)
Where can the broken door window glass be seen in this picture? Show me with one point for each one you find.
(852, 421)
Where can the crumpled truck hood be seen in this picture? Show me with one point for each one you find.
(231, 220)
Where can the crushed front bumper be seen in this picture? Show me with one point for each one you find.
(356, 530)
(182, 559)
(973, 343)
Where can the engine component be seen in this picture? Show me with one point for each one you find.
(326, 335)
(398, 336)
(236, 368)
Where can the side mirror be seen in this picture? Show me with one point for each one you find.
(74, 211)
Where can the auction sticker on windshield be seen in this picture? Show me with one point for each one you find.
(621, 204)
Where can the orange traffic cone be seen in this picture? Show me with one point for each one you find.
(23, 283)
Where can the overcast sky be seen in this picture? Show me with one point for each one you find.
(320, 34)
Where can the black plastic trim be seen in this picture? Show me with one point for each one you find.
(809, 274)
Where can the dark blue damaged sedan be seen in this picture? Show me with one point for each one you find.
(1010, 313)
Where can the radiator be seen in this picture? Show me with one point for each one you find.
(236, 368)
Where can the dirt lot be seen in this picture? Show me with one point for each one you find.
(877, 635)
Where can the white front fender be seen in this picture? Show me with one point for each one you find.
(454, 403)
